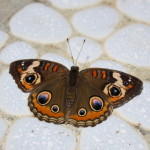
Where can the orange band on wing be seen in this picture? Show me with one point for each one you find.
(129, 87)
(20, 70)
(45, 110)
(55, 68)
(94, 73)
(27, 86)
(114, 99)
(104, 75)
(46, 66)
(91, 115)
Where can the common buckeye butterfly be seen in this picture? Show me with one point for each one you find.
(81, 98)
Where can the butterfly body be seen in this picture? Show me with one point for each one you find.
(81, 98)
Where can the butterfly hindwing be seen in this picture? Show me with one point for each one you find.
(90, 106)
(47, 101)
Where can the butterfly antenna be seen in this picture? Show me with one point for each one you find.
(80, 52)
(85, 62)
(70, 51)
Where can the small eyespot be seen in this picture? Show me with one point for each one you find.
(114, 91)
(55, 108)
(44, 97)
(23, 68)
(96, 103)
(30, 78)
(82, 112)
(126, 83)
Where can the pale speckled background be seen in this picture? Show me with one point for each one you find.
(8, 9)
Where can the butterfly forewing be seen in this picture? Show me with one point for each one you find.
(117, 86)
(30, 73)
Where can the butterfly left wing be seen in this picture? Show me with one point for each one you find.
(43, 79)
(118, 87)
(47, 101)
(29, 73)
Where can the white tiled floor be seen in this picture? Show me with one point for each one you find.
(117, 36)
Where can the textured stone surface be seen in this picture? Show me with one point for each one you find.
(88, 51)
(115, 43)
(138, 9)
(17, 50)
(137, 110)
(71, 4)
(131, 45)
(96, 22)
(12, 101)
(3, 38)
(39, 23)
(109, 65)
(57, 58)
(112, 134)
(32, 134)
(3, 128)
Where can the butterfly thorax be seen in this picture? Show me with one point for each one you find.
(71, 90)
(73, 75)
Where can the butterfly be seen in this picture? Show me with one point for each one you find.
(81, 98)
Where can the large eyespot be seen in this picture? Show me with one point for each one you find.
(114, 91)
(96, 103)
(31, 78)
(44, 97)
(82, 112)
(55, 108)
